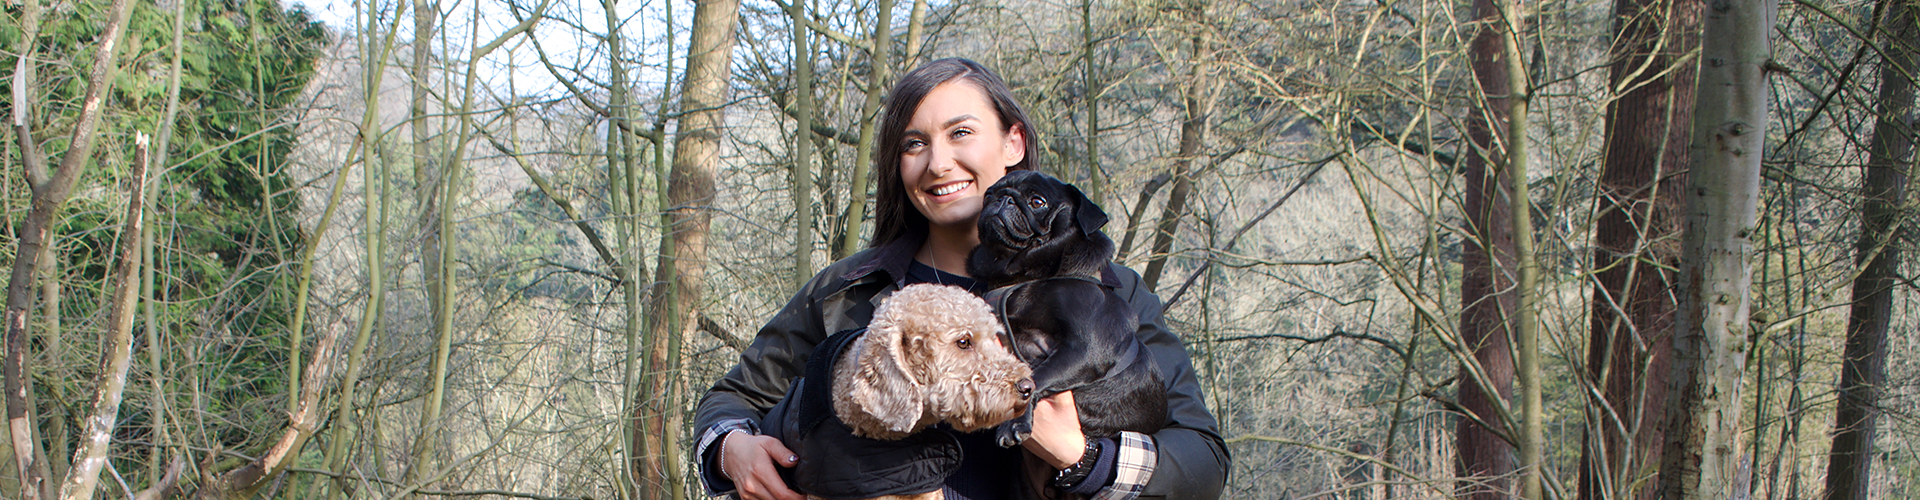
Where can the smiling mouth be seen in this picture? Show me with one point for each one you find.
(950, 188)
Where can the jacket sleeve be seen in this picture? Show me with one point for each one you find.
(742, 397)
(1193, 459)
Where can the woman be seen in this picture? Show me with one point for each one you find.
(950, 131)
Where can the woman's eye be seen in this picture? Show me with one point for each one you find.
(1037, 203)
(961, 132)
(912, 144)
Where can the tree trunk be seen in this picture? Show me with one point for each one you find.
(683, 250)
(877, 85)
(116, 358)
(375, 227)
(1090, 95)
(1532, 418)
(426, 174)
(151, 320)
(1487, 283)
(49, 192)
(244, 482)
(916, 25)
(1729, 126)
(1882, 192)
(800, 177)
(1630, 336)
(426, 446)
(1193, 133)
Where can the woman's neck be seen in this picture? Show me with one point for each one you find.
(947, 249)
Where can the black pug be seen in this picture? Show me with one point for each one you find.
(1042, 253)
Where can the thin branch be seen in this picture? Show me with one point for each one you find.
(1319, 165)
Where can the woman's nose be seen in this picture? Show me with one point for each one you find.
(942, 164)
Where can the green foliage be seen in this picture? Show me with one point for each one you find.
(224, 206)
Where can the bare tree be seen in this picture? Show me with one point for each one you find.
(1487, 283)
(683, 249)
(1883, 192)
(1630, 342)
(50, 190)
(117, 358)
(1704, 396)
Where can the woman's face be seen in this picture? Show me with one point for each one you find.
(954, 149)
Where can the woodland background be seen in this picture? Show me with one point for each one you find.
(497, 248)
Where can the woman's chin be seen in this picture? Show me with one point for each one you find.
(961, 214)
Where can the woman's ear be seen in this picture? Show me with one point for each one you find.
(1016, 146)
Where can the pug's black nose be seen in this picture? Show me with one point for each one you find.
(1026, 388)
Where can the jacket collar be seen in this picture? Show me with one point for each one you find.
(893, 258)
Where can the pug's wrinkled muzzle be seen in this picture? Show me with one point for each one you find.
(1013, 226)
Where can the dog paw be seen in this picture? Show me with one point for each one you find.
(1013, 433)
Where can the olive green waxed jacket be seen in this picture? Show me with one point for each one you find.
(1192, 462)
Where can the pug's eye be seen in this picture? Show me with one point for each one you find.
(965, 343)
(1037, 203)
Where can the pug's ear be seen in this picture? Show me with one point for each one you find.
(1088, 215)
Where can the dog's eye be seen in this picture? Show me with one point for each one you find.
(965, 343)
(1037, 203)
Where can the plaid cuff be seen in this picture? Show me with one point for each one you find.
(709, 469)
(1137, 459)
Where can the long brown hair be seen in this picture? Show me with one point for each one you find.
(893, 214)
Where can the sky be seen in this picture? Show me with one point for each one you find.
(563, 38)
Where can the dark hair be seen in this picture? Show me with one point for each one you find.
(893, 214)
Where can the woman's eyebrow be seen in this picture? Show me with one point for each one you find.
(949, 124)
(956, 120)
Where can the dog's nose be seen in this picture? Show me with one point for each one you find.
(1026, 388)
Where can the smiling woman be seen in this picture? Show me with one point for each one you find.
(955, 148)
(993, 109)
(951, 130)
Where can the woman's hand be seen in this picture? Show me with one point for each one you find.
(1056, 431)
(748, 460)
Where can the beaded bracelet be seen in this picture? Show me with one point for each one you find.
(723, 455)
(1073, 474)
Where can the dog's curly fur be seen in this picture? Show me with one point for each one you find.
(932, 354)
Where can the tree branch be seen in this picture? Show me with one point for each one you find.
(117, 355)
(1235, 239)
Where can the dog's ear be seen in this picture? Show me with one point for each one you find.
(884, 385)
(1087, 215)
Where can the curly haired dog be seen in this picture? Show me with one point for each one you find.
(932, 354)
(859, 417)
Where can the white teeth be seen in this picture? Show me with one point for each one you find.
(951, 188)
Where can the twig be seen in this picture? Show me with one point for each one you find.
(1338, 333)
(1318, 165)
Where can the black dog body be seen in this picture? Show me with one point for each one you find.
(1042, 251)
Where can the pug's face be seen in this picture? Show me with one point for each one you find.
(1034, 226)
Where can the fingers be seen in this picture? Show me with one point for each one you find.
(1057, 437)
(752, 461)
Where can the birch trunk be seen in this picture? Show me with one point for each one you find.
(1730, 117)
